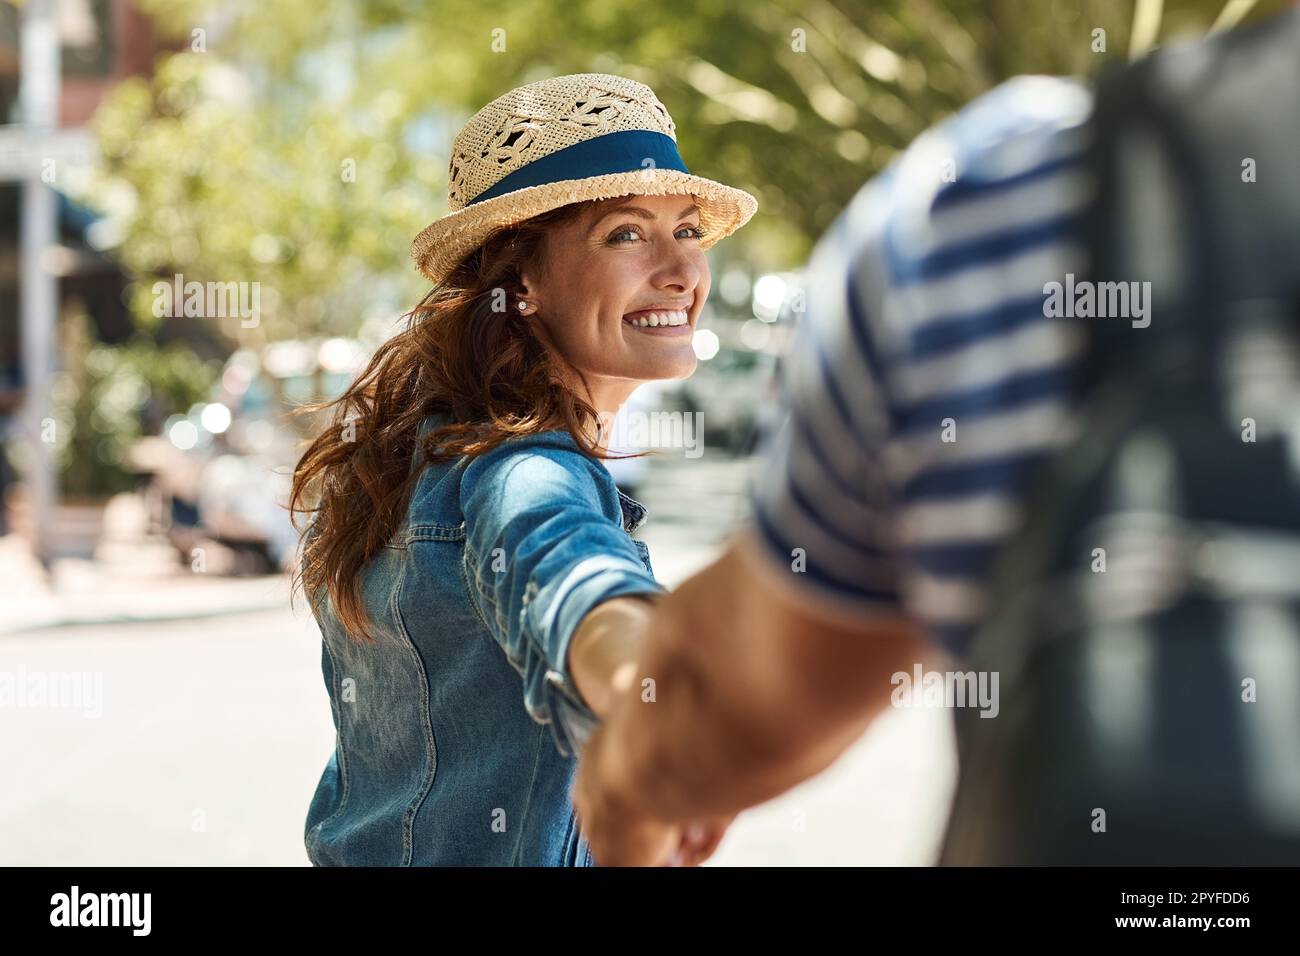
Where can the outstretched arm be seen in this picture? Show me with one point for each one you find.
(546, 560)
(774, 695)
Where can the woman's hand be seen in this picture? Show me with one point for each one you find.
(602, 658)
(605, 647)
(617, 829)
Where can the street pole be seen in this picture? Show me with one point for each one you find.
(38, 285)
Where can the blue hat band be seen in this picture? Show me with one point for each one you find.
(623, 152)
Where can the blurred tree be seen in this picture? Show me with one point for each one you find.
(303, 145)
(101, 398)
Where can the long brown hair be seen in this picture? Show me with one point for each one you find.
(465, 350)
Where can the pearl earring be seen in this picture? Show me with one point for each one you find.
(523, 306)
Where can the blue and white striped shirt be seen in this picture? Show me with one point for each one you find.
(925, 383)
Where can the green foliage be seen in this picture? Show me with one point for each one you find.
(233, 154)
(99, 399)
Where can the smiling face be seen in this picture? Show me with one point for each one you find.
(621, 291)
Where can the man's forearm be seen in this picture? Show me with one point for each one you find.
(740, 710)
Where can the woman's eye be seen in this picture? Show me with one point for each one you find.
(630, 234)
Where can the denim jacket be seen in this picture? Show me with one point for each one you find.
(456, 736)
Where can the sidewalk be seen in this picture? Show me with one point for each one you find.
(134, 578)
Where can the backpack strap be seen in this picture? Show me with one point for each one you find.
(1141, 150)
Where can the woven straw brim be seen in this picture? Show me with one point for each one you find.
(444, 244)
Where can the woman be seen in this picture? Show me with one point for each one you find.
(470, 562)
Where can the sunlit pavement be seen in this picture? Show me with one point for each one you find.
(212, 737)
(135, 578)
(214, 732)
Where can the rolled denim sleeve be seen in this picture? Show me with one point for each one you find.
(544, 545)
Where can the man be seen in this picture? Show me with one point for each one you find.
(925, 386)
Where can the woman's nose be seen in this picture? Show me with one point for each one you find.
(678, 267)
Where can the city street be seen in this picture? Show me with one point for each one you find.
(214, 731)
(994, 303)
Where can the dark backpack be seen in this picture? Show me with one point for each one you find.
(1150, 713)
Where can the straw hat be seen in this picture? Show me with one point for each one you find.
(560, 141)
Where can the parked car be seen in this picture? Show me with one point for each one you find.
(220, 474)
(735, 393)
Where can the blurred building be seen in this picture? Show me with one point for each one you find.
(101, 43)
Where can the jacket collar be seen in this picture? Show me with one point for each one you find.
(634, 513)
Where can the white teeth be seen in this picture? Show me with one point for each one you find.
(655, 319)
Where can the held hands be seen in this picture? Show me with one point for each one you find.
(603, 658)
(621, 833)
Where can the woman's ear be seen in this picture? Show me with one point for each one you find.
(526, 301)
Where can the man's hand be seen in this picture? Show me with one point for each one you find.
(757, 688)
(603, 657)
(620, 833)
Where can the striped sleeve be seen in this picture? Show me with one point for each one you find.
(822, 504)
(926, 380)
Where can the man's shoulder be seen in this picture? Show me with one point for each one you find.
(1025, 127)
(1005, 175)
(1019, 108)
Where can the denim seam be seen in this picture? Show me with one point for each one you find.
(475, 590)
(568, 834)
(643, 551)
(540, 734)
(408, 823)
(435, 532)
(486, 593)
(517, 663)
(471, 558)
(339, 748)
